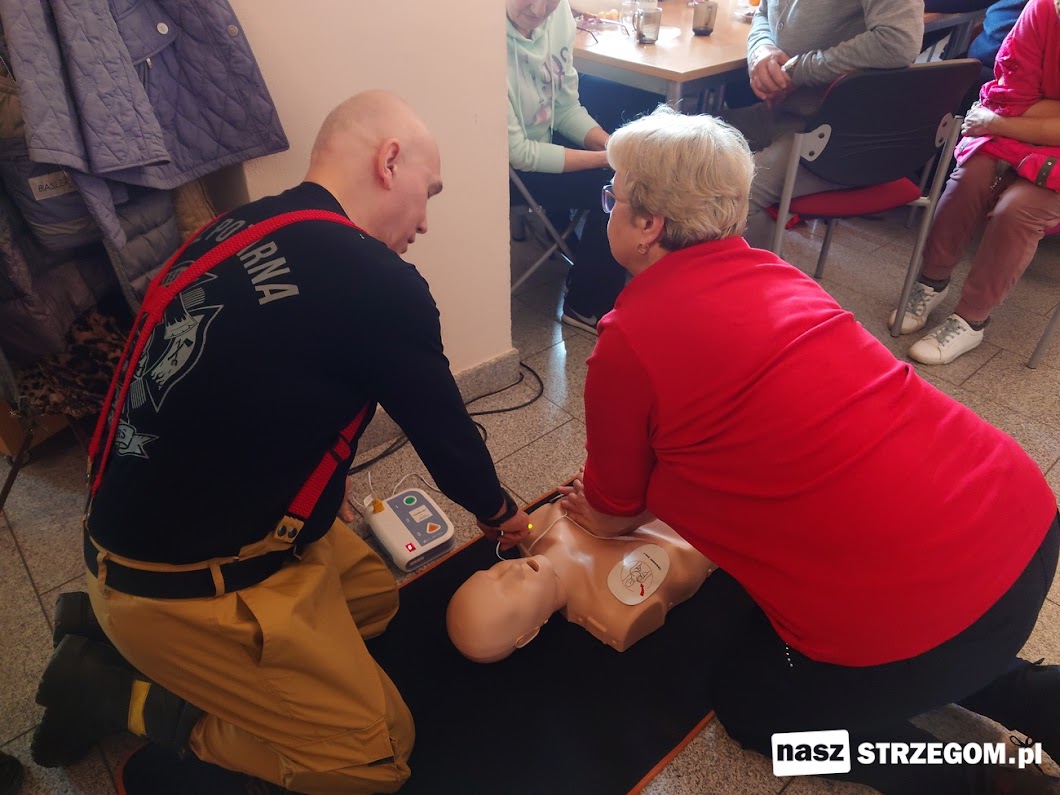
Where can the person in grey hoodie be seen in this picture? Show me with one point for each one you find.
(795, 50)
(558, 149)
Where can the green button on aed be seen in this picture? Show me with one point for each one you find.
(410, 500)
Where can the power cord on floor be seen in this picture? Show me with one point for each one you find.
(402, 440)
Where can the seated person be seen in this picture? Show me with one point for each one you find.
(999, 20)
(949, 7)
(558, 148)
(1004, 178)
(794, 52)
(619, 589)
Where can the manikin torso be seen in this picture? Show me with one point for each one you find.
(621, 589)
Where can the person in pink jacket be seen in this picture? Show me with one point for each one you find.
(1004, 175)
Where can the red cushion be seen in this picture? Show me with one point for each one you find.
(856, 201)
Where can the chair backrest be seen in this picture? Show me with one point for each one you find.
(878, 125)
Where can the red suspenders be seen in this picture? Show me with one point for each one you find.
(158, 297)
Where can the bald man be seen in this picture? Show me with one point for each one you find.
(215, 565)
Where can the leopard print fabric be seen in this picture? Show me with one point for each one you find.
(74, 382)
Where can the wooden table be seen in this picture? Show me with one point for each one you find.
(683, 67)
(680, 65)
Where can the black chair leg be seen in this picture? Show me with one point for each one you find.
(825, 244)
(16, 464)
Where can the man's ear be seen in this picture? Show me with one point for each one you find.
(386, 161)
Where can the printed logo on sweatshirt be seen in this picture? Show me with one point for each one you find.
(175, 347)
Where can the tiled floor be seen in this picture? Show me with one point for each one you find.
(537, 447)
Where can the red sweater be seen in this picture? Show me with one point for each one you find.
(871, 516)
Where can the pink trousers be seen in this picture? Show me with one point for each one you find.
(1017, 213)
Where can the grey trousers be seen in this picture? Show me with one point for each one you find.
(771, 135)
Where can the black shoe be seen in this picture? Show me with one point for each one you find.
(1013, 781)
(74, 616)
(10, 774)
(151, 770)
(85, 692)
(576, 320)
(1025, 699)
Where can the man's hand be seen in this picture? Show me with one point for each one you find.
(514, 531)
(980, 121)
(768, 80)
(346, 512)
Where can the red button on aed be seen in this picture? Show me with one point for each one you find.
(410, 547)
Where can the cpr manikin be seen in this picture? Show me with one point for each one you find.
(619, 589)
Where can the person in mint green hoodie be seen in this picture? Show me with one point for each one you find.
(558, 148)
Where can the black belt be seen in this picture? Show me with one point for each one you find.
(194, 584)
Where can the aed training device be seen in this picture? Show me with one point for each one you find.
(411, 526)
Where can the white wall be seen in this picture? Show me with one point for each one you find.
(448, 61)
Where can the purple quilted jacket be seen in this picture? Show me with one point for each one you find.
(153, 93)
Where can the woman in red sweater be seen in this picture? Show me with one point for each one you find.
(731, 397)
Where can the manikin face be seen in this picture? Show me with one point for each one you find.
(526, 15)
(498, 610)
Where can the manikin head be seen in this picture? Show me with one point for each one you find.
(377, 157)
(503, 608)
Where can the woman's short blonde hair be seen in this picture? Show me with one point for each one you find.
(694, 171)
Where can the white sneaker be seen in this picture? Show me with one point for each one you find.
(584, 322)
(921, 301)
(945, 343)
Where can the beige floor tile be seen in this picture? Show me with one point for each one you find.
(88, 777)
(1041, 442)
(545, 298)
(548, 462)
(1045, 640)
(1032, 393)
(523, 255)
(510, 431)
(714, 764)
(26, 642)
(533, 332)
(45, 509)
(562, 368)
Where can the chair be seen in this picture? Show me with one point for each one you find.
(873, 129)
(559, 239)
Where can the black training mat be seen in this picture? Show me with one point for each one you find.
(564, 714)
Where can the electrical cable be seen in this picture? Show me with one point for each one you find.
(567, 516)
(402, 440)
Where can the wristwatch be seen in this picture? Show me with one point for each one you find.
(510, 510)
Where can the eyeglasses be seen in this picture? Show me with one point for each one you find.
(608, 198)
(586, 30)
